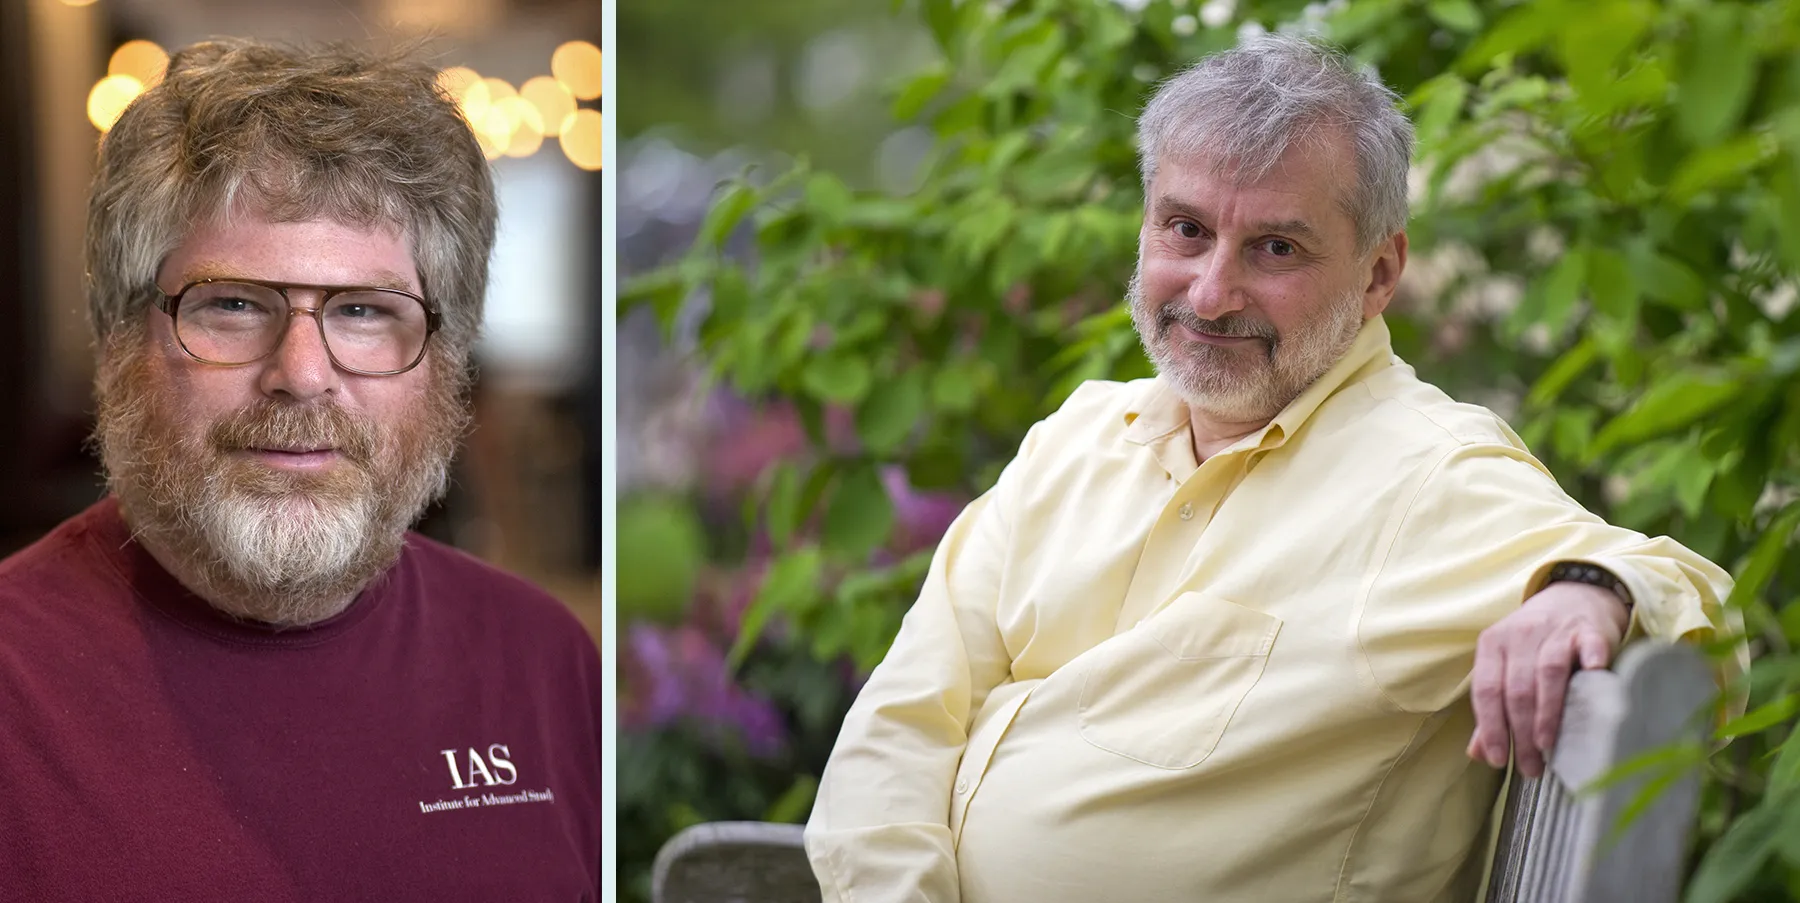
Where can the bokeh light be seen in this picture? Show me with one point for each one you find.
(514, 122)
(552, 101)
(475, 101)
(527, 127)
(455, 81)
(581, 138)
(577, 65)
(498, 124)
(142, 60)
(109, 98)
(499, 89)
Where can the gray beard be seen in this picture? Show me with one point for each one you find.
(1209, 377)
(278, 549)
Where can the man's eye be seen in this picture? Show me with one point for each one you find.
(1281, 248)
(1187, 229)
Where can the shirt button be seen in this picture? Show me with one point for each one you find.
(1187, 511)
(962, 786)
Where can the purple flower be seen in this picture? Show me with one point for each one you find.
(921, 518)
(679, 675)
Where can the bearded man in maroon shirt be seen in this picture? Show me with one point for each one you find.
(239, 677)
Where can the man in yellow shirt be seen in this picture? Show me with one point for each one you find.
(1261, 628)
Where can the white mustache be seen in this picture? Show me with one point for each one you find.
(1231, 325)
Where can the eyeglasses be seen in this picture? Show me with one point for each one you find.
(367, 331)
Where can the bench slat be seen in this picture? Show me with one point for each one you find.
(1561, 845)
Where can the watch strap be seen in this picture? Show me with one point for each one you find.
(1593, 575)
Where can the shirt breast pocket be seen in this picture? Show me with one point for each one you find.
(1163, 692)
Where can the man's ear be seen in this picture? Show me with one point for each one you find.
(1385, 266)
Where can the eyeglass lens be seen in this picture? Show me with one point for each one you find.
(236, 323)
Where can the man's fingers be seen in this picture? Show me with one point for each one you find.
(1521, 711)
(1596, 652)
(1486, 696)
(1555, 664)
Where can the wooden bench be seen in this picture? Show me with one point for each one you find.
(1555, 844)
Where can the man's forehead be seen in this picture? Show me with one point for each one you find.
(1310, 190)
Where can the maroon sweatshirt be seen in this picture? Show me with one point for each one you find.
(439, 740)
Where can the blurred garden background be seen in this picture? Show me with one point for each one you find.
(867, 246)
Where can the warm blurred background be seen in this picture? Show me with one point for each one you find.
(527, 487)
(867, 245)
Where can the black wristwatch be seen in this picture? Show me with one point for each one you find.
(1593, 575)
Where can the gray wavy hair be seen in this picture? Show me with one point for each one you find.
(296, 133)
(1246, 106)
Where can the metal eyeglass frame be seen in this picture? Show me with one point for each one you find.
(171, 305)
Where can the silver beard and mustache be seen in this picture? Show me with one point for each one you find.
(1240, 385)
(285, 549)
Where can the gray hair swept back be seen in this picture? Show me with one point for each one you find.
(1244, 107)
(295, 133)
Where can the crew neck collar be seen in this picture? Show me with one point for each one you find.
(159, 590)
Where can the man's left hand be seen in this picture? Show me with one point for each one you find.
(1523, 665)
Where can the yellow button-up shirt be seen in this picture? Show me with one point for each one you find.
(1135, 676)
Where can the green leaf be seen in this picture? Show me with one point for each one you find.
(1110, 29)
(1784, 185)
(783, 504)
(828, 197)
(661, 550)
(1525, 28)
(1552, 298)
(1036, 50)
(1668, 280)
(1440, 102)
(791, 581)
(860, 514)
(1614, 289)
(1720, 165)
(1524, 91)
(919, 91)
(1691, 482)
(1765, 557)
(1572, 431)
(841, 378)
(1736, 488)
(1762, 717)
(936, 466)
(1456, 15)
(987, 222)
(955, 387)
(940, 17)
(1591, 44)
(1674, 402)
(792, 335)
(1561, 374)
(1784, 774)
(1652, 790)
(1720, 73)
(893, 407)
(1739, 854)
(1787, 843)
(726, 212)
(880, 213)
(795, 803)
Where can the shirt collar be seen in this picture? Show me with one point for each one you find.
(1161, 412)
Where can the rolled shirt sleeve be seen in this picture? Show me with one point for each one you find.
(1480, 536)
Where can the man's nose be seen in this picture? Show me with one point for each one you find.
(301, 368)
(1217, 284)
